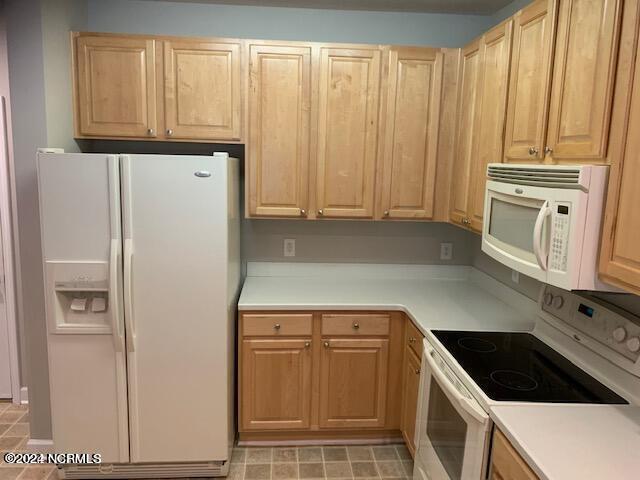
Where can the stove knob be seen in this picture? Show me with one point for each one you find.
(558, 302)
(633, 344)
(548, 299)
(619, 334)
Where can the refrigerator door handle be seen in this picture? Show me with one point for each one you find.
(128, 296)
(116, 329)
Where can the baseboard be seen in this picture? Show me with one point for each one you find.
(24, 396)
(40, 446)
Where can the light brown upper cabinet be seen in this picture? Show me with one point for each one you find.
(493, 77)
(349, 92)
(411, 133)
(583, 78)
(467, 121)
(353, 382)
(530, 83)
(115, 86)
(619, 252)
(202, 90)
(279, 119)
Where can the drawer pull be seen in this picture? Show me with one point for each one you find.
(276, 326)
(307, 344)
(417, 371)
(412, 340)
(356, 326)
(326, 344)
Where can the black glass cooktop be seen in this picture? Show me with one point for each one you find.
(519, 367)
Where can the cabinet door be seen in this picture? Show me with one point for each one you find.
(275, 384)
(506, 463)
(353, 383)
(619, 252)
(411, 133)
(466, 125)
(492, 99)
(202, 90)
(529, 86)
(279, 114)
(583, 77)
(347, 132)
(116, 87)
(411, 382)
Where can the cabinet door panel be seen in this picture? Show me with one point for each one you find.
(583, 77)
(353, 383)
(410, 151)
(279, 114)
(619, 252)
(528, 104)
(116, 87)
(347, 132)
(276, 384)
(466, 124)
(492, 99)
(410, 398)
(202, 90)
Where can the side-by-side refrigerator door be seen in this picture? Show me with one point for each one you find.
(175, 261)
(82, 254)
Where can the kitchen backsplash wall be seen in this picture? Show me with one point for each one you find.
(355, 241)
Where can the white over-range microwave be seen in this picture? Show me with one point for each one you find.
(544, 221)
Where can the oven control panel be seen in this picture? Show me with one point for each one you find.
(610, 327)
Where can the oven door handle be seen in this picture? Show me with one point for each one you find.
(467, 404)
(541, 257)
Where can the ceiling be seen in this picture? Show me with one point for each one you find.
(482, 7)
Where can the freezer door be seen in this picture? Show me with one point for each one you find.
(81, 244)
(176, 311)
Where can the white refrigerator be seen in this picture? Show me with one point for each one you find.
(142, 272)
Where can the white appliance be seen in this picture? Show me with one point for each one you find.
(142, 273)
(544, 221)
(453, 427)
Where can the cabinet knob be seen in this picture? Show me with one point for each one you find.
(150, 131)
(385, 213)
(320, 212)
(356, 326)
(307, 344)
(326, 344)
(169, 132)
(412, 340)
(303, 212)
(417, 371)
(548, 150)
(276, 326)
(533, 150)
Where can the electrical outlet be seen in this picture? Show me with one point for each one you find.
(515, 276)
(289, 247)
(446, 251)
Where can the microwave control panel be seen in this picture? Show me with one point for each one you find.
(560, 224)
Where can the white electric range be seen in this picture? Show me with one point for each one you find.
(581, 352)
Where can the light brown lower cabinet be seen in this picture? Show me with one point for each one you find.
(410, 383)
(313, 375)
(506, 463)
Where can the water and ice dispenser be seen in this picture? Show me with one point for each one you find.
(78, 296)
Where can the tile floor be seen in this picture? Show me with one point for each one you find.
(331, 463)
(14, 433)
(287, 463)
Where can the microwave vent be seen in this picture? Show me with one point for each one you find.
(544, 176)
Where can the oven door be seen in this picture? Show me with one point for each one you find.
(516, 228)
(453, 429)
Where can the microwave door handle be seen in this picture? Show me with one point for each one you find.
(541, 258)
(468, 405)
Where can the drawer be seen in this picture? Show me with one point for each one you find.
(414, 339)
(277, 324)
(355, 324)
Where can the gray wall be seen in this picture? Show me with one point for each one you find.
(173, 18)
